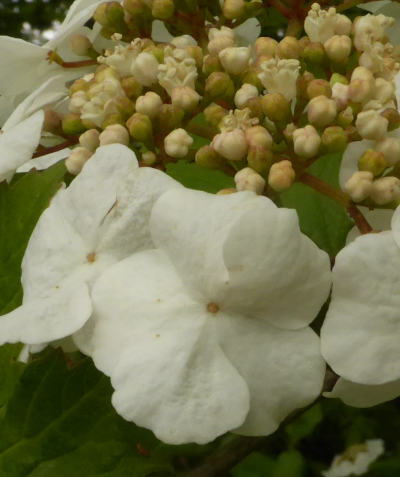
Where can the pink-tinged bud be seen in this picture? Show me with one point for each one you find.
(232, 144)
(321, 111)
(306, 142)
(207, 157)
(114, 134)
(235, 59)
(281, 176)
(71, 124)
(149, 104)
(338, 48)
(288, 48)
(372, 161)
(233, 9)
(340, 93)
(385, 190)
(276, 107)
(177, 143)
(139, 127)
(246, 92)
(390, 148)
(163, 9)
(247, 179)
(359, 186)
(319, 87)
(90, 139)
(185, 97)
(362, 85)
(371, 125)
(258, 136)
(265, 45)
(77, 159)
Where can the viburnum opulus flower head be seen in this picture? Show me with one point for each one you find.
(209, 332)
(99, 219)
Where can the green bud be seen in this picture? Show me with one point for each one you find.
(338, 78)
(125, 106)
(393, 116)
(256, 108)
(105, 73)
(114, 118)
(352, 134)
(265, 45)
(163, 9)
(214, 114)
(206, 156)
(233, 9)
(303, 42)
(277, 108)
(318, 87)
(251, 77)
(111, 16)
(170, 117)
(288, 48)
(211, 64)
(131, 87)
(71, 124)
(140, 128)
(334, 139)
(302, 85)
(219, 85)
(345, 118)
(156, 51)
(260, 159)
(135, 7)
(100, 14)
(314, 53)
(196, 53)
(372, 161)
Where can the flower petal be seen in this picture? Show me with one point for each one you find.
(248, 32)
(43, 162)
(161, 350)
(378, 219)
(361, 395)
(360, 334)
(283, 369)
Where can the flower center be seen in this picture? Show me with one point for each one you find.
(91, 257)
(212, 308)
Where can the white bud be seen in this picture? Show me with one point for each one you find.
(90, 139)
(235, 60)
(338, 48)
(77, 159)
(281, 176)
(183, 41)
(306, 141)
(149, 104)
(321, 111)
(343, 25)
(185, 97)
(246, 92)
(177, 143)
(114, 134)
(384, 90)
(145, 69)
(148, 158)
(362, 85)
(77, 101)
(385, 190)
(340, 93)
(371, 125)
(220, 39)
(390, 148)
(231, 144)
(249, 179)
(258, 136)
(359, 186)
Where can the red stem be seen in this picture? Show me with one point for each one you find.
(41, 150)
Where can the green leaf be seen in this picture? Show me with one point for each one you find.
(290, 464)
(321, 218)
(304, 425)
(60, 422)
(196, 177)
(21, 204)
(11, 370)
(255, 465)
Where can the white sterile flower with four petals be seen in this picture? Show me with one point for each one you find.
(209, 332)
(360, 335)
(101, 218)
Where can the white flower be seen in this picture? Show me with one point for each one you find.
(220, 39)
(370, 29)
(99, 219)
(320, 25)
(196, 335)
(145, 69)
(178, 69)
(356, 459)
(361, 331)
(280, 76)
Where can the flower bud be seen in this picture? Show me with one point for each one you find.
(258, 136)
(220, 39)
(131, 87)
(214, 114)
(247, 179)
(372, 161)
(211, 64)
(235, 59)
(334, 139)
(71, 124)
(345, 117)
(185, 97)
(114, 118)
(288, 47)
(114, 134)
(233, 9)
(314, 53)
(338, 48)
(148, 158)
(371, 125)
(265, 45)
(135, 8)
(255, 107)
(362, 85)
(302, 84)
(243, 94)
(321, 111)
(340, 93)
(78, 85)
(145, 69)
(306, 142)
(260, 159)
(390, 148)
(52, 121)
(195, 52)
(219, 85)
(276, 107)
(77, 101)
(163, 9)
(177, 143)
(338, 78)
(206, 156)
(231, 144)
(77, 159)
(139, 127)
(385, 190)
(343, 24)
(90, 139)
(393, 117)
(251, 77)
(359, 186)
(80, 45)
(281, 176)
(170, 117)
(111, 16)
(319, 87)
(384, 90)
(149, 104)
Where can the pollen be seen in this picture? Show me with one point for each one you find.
(91, 257)
(212, 308)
